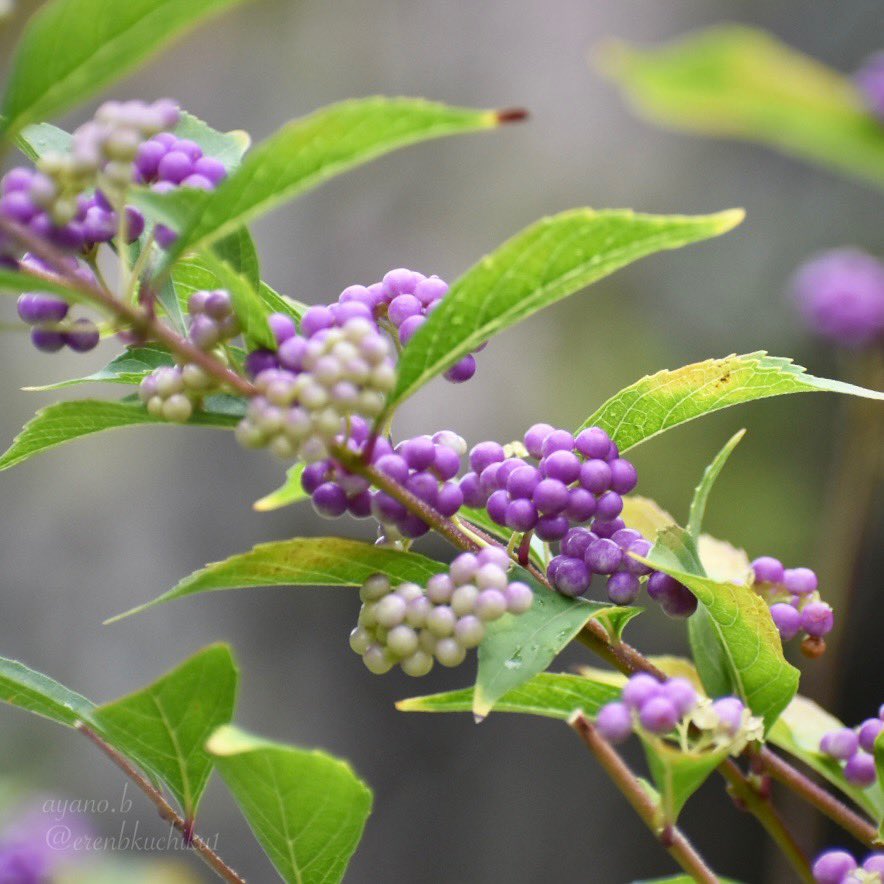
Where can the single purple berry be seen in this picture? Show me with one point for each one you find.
(767, 569)
(418, 452)
(860, 769)
(35, 308)
(595, 476)
(640, 688)
(562, 465)
(210, 168)
(605, 528)
(874, 862)
(329, 500)
(260, 360)
(403, 306)
(786, 619)
(557, 440)
(83, 336)
(550, 496)
(730, 713)
(593, 442)
(581, 505)
(868, 733)
(572, 577)
(576, 542)
(497, 505)
(484, 454)
(521, 515)
(449, 499)
(400, 281)
(446, 462)
(658, 715)
(522, 481)
(841, 744)
(614, 722)
(473, 495)
(551, 528)
(174, 167)
(462, 370)
(47, 340)
(833, 866)
(841, 295)
(534, 437)
(799, 581)
(604, 556)
(624, 476)
(623, 588)
(609, 506)
(519, 597)
(817, 619)
(681, 693)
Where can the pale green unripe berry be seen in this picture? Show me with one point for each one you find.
(490, 577)
(383, 377)
(371, 404)
(463, 599)
(469, 631)
(418, 664)
(177, 408)
(449, 652)
(328, 423)
(247, 434)
(122, 144)
(390, 611)
(427, 641)
(360, 640)
(418, 609)
(375, 588)
(155, 406)
(195, 378)
(280, 393)
(169, 382)
(439, 589)
(490, 605)
(283, 447)
(356, 329)
(441, 621)
(402, 640)
(377, 660)
(409, 591)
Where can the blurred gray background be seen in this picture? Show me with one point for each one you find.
(94, 528)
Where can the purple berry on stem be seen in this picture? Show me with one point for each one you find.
(614, 722)
(833, 866)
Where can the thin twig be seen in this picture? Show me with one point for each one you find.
(823, 801)
(166, 811)
(762, 808)
(671, 838)
(146, 325)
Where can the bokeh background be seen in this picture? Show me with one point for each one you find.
(90, 530)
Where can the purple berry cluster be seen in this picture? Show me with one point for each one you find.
(172, 392)
(839, 867)
(327, 375)
(662, 707)
(855, 748)
(48, 315)
(840, 293)
(870, 81)
(166, 162)
(794, 600)
(575, 480)
(406, 297)
(415, 626)
(424, 465)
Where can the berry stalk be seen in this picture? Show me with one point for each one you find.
(137, 319)
(678, 847)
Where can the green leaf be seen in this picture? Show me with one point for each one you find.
(677, 774)
(291, 491)
(14, 283)
(799, 730)
(553, 695)
(306, 808)
(129, 367)
(37, 693)
(682, 879)
(736, 82)
(64, 421)
(702, 491)
(517, 647)
(72, 48)
(302, 561)
(542, 264)
(309, 151)
(239, 251)
(658, 402)
(228, 147)
(735, 643)
(38, 139)
(164, 727)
